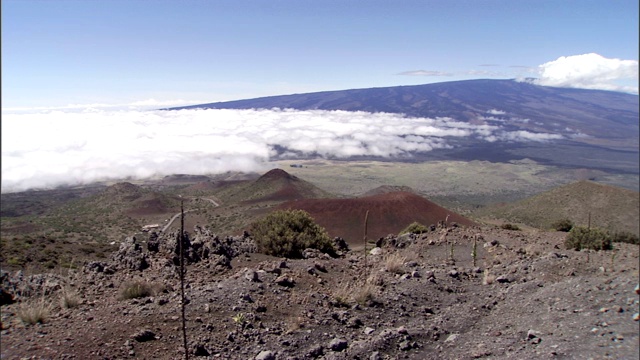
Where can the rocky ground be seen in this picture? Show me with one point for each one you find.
(413, 297)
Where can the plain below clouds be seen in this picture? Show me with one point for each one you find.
(42, 150)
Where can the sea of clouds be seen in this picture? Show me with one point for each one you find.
(50, 148)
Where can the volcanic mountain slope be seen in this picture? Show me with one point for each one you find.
(389, 213)
(610, 207)
(275, 186)
(611, 118)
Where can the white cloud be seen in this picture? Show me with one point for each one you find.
(590, 71)
(496, 112)
(42, 150)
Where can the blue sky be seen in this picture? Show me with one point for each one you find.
(56, 53)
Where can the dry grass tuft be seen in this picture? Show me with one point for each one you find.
(394, 263)
(364, 295)
(375, 279)
(342, 295)
(135, 289)
(69, 298)
(35, 311)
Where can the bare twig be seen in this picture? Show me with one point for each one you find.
(184, 320)
(366, 218)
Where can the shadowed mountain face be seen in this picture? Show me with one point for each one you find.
(389, 213)
(600, 128)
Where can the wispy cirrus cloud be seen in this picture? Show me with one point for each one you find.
(426, 73)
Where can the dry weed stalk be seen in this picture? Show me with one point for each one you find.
(488, 279)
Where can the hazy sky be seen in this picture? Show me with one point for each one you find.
(161, 52)
(81, 80)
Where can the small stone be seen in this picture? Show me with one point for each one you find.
(369, 331)
(375, 356)
(603, 310)
(637, 289)
(532, 334)
(502, 279)
(376, 251)
(402, 330)
(636, 316)
(320, 267)
(251, 275)
(453, 273)
(265, 355)
(338, 344)
(404, 346)
(451, 338)
(415, 274)
(144, 335)
(284, 280)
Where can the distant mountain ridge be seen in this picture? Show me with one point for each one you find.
(600, 129)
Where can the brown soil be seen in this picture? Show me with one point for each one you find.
(389, 213)
(536, 301)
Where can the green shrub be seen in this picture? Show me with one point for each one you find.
(415, 228)
(584, 238)
(510, 227)
(625, 237)
(288, 232)
(563, 225)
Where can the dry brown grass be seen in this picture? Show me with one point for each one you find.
(394, 263)
(364, 294)
(35, 311)
(69, 298)
(135, 289)
(342, 294)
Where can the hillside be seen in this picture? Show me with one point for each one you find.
(610, 207)
(274, 186)
(389, 213)
(608, 116)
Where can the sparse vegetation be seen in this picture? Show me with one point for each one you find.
(415, 228)
(34, 311)
(364, 294)
(342, 294)
(69, 298)
(288, 233)
(563, 225)
(584, 238)
(136, 289)
(509, 226)
(394, 263)
(625, 237)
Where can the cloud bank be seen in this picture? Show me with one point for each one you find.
(590, 71)
(41, 150)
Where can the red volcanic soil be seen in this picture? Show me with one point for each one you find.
(389, 213)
